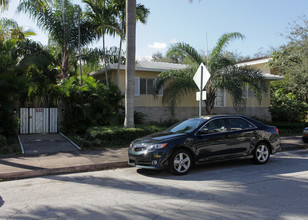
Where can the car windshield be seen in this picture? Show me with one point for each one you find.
(185, 126)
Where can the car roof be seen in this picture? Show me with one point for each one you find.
(207, 117)
(219, 116)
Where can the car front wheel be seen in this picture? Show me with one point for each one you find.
(261, 153)
(180, 162)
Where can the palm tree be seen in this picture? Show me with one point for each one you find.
(63, 30)
(130, 63)
(109, 17)
(100, 14)
(224, 74)
(119, 7)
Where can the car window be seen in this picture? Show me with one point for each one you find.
(239, 124)
(215, 126)
(185, 126)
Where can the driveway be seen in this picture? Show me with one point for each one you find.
(36, 144)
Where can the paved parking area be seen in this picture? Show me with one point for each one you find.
(36, 144)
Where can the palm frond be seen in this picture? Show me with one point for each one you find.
(4, 4)
(178, 82)
(233, 78)
(175, 92)
(223, 41)
(6, 23)
(142, 13)
(186, 50)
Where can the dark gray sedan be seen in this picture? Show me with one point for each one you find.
(305, 135)
(205, 139)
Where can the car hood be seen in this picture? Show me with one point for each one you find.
(160, 137)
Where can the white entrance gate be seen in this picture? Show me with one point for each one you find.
(38, 120)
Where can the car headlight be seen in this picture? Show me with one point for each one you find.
(153, 147)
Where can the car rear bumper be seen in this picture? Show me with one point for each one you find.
(276, 146)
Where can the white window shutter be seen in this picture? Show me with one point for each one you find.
(224, 97)
(137, 86)
(160, 92)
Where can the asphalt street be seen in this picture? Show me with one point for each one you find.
(229, 190)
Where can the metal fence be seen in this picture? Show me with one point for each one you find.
(38, 120)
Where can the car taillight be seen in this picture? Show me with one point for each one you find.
(277, 130)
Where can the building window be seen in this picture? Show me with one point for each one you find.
(247, 92)
(220, 98)
(144, 86)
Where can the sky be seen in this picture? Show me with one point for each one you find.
(200, 24)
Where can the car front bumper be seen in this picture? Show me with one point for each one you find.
(147, 160)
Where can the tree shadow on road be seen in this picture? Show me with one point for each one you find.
(229, 190)
(1, 202)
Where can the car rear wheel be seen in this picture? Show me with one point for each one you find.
(261, 153)
(180, 162)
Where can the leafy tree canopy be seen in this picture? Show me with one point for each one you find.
(292, 59)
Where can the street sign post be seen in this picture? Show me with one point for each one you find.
(201, 77)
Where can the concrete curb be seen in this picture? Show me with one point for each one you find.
(63, 170)
(294, 148)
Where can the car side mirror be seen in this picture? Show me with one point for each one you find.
(202, 132)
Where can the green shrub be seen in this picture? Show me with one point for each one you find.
(88, 105)
(290, 125)
(9, 145)
(289, 128)
(112, 133)
(286, 107)
(112, 136)
(2, 140)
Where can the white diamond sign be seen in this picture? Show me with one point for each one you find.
(205, 77)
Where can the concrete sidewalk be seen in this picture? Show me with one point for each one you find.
(16, 167)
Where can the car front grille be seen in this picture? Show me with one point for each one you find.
(137, 149)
